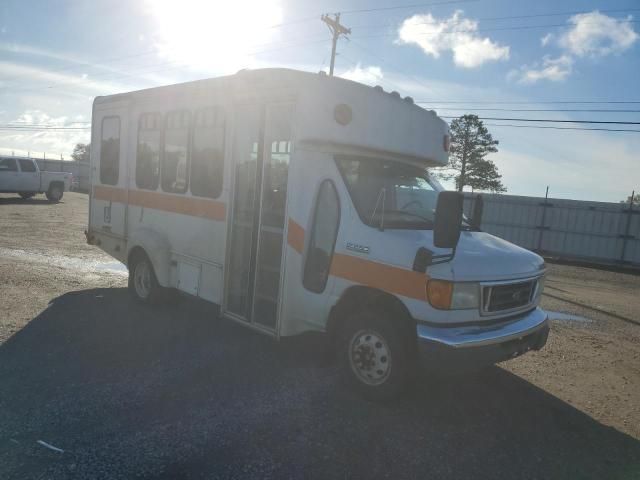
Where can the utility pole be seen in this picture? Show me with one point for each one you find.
(336, 29)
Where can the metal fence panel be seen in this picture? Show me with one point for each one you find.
(599, 232)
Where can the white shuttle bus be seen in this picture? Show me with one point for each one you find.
(299, 202)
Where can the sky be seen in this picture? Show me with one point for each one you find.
(493, 58)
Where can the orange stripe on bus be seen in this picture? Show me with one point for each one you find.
(110, 194)
(378, 275)
(196, 207)
(367, 272)
(295, 236)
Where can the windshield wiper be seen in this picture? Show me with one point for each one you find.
(381, 195)
(411, 214)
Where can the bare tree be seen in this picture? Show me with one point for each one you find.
(81, 152)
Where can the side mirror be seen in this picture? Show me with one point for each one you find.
(448, 222)
(478, 207)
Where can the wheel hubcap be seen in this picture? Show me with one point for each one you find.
(142, 279)
(370, 357)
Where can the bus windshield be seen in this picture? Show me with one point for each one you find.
(388, 193)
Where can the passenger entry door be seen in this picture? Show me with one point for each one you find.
(261, 153)
(109, 170)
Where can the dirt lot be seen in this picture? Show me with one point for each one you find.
(132, 392)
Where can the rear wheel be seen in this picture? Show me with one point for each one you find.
(143, 284)
(375, 355)
(55, 192)
(27, 195)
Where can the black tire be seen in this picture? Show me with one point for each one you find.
(55, 193)
(375, 355)
(145, 287)
(26, 195)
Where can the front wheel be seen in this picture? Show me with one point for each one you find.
(375, 355)
(55, 192)
(143, 284)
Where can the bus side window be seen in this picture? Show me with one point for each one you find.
(148, 156)
(207, 152)
(110, 150)
(174, 172)
(324, 231)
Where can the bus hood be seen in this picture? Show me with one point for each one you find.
(483, 257)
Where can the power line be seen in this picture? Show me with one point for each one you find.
(561, 128)
(146, 53)
(494, 29)
(279, 25)
(550, 120)
(19, 123)
(39, 128)
(543, 102)
(512, 17)
(152, 68)
(400, 7)
(373, 54)
(590, 110)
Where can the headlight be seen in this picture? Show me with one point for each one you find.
(539, 288)
(453, 296)
(465, 295)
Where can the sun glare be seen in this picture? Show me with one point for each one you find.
(218, 36)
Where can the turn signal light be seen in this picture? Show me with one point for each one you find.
(439, 293)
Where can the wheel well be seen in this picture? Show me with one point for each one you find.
(56, 183)
(136, 252)
(358, 298)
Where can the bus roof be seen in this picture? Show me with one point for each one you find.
(330, 111)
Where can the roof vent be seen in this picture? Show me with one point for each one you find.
(395, 94)
(408, 100)
(378, 88)
(322, 73)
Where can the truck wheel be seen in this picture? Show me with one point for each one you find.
(143, 284)
(26, 195)
(55, 192)
(375, 358)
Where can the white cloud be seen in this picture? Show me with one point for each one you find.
(544, 41)
(136, 73)
(24, 78)
(552, 69)
(594, 34)
(38, 117)
(456, 34)
(52, 142)
(590, 34)
(369, 75)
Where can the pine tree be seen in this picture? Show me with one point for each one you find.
(471, 142)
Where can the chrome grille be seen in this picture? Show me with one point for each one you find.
(508, 296)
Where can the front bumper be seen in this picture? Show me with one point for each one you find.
(484, 344)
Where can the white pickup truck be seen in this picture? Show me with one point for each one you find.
(23, 176)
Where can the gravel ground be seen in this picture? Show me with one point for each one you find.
(132, 392)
